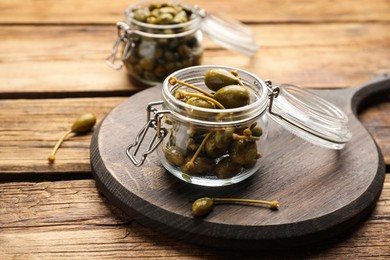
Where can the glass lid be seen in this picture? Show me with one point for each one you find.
(309, 116)
(229, 33)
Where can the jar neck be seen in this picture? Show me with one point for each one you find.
(163, 31)
(215, 117)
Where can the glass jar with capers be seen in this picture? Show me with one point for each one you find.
(211, 127)
(159, 38)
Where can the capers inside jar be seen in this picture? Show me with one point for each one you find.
(165, 38)
(220, 152)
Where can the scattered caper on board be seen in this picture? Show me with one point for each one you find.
(204, 206)
(82, 125)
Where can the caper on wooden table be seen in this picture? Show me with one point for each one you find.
(83, 124)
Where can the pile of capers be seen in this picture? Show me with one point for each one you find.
(224, 151)
(154, 58)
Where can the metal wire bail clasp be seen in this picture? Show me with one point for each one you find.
(152, 122)
(124, 36)
(274, 94)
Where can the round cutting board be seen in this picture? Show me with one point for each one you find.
(321, 192)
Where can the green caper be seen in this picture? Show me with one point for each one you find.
(223, 137)
(174, 156)
(180, 17)
(226, 169)
(218, 78)
(146, 64)
(198, 102)
(202, 207)
(141, 14)
(82, 124)
(211, 148)
(232, 96)
(200, 166)
(243, 152)
(257, 131)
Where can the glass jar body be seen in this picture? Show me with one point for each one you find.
(213, 147)
(156, 51)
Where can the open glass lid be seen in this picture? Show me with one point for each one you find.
(229, 33)
(309, 116)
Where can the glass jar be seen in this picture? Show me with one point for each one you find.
(152, 50)
(217, 147)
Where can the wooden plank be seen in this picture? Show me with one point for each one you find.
(105, 11)
(30, 128)
(47, 61)
(69, 219)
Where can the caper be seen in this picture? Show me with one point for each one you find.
(82, 125)
(198, 102)
(211, 148)
(180, 17)
(174, 156)
(223, 137)
(232, 96)
(257, 131)
(243, 152)
(226, 169)
(218, 78)
(141, 14)
(200, 166)
(204, 206)
(146, 64)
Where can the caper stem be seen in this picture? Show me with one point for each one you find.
(273, 204)
(173, 81)
(191, 163)
(245, 137)
(211, 100)
(52, 156)
(234, 73)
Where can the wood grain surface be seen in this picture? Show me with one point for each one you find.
(39, 58)
(105, 11)
(52, 70)
(307, 178)
(70, 219)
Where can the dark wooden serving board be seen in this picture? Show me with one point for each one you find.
(321, 192)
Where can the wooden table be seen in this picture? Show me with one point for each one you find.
(52, 70)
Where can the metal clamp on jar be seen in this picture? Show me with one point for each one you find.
(158, 39)
(212, 145)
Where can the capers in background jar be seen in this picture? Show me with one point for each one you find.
(159, 38)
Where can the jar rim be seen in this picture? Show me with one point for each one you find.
(191, 24)
(248, 112)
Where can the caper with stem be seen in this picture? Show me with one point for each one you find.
(204, 206)
(82, 125)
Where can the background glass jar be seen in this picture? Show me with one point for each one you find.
(154, 49)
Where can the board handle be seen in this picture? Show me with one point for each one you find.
(370, 92)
